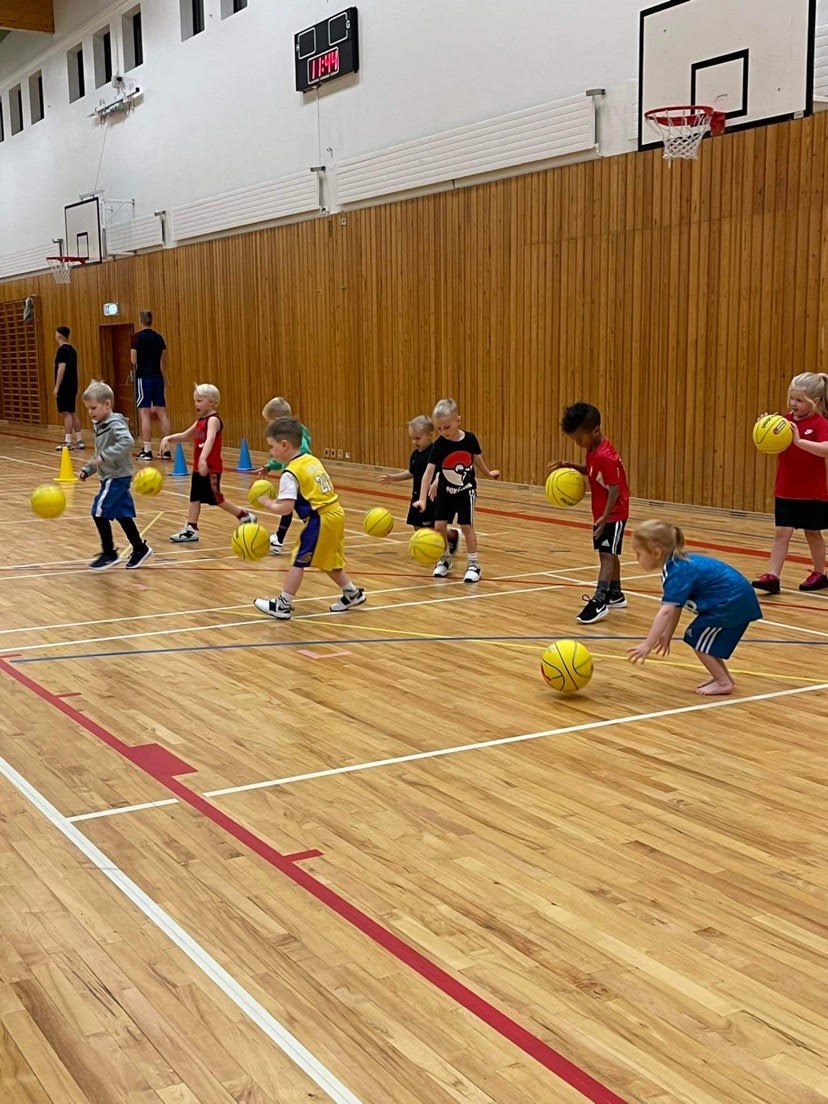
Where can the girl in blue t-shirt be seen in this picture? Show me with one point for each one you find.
(722, 599)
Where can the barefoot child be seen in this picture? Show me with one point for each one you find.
(721, 598)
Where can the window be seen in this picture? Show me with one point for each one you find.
(192, 17)
(133, 38)
(230, 7)
(74, 70)
(36, 107)
(102, 50)
(16, 109)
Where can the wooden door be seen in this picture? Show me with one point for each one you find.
(116, 368)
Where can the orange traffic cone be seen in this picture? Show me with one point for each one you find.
(66, 474)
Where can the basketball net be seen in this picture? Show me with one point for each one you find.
(62, 267)
(681, 129)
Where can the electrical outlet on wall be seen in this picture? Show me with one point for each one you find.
(339, 454)
(347, 455)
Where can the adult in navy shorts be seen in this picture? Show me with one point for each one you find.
(149, 361)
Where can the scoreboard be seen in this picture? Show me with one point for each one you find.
(327, 50)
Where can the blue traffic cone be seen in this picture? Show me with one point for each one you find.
(245, 464)
(180, 466)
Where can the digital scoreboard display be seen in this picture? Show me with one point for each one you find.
(328, 49)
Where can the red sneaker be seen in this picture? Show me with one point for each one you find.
(767, 583)
(815, 581)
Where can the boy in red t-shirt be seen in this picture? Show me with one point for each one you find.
(610, 505)
(801, 490)
(205, 486)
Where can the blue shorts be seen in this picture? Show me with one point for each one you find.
(707, 636)
(149, 392)
(114, 499)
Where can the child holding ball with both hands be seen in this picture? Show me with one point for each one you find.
(722, 599)
(801, 490)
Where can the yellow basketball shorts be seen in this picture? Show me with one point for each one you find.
(322, 543)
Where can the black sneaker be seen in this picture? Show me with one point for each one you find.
(105, 560)
(165, 455)
(594, 610)
(144, 454)
(617, 601)
(452, 540)
(138, 556)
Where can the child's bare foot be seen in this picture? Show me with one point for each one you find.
(715, 689)
(707, 682)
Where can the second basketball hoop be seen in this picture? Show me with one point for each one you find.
(682, 128)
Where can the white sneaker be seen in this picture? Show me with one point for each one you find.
(348, 601)
(79, 444)
(442, 569)
(248, 519)
(472, 573)
(185, 535)
(274, 607)
(276, 546)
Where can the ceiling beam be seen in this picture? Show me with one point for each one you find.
(27, 15)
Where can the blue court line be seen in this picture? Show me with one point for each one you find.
(372, 640)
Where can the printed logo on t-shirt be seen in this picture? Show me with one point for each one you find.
(457, 468)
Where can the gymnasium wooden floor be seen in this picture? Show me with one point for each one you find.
(372, 857)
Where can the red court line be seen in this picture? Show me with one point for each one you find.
(478, 509)
(148, 760)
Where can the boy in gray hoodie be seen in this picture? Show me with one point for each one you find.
(113, 462)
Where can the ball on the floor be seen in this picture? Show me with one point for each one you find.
(260, 488)
(565, 487)
(378, 522)
(426, 546)
(251, 541)
(566, 665)
(48, 500)
(772, 433)
(148, 481)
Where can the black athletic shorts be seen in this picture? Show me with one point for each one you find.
(206, 489)
(455, 507)
(801, 513)
(66, 399)
(611, 539)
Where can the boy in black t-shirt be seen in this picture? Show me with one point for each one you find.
(66, 388)
(453, 458)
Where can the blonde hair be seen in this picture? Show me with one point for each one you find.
(421, 424)
(445, 408)
(660, 534)
(208, 391)
(98, 391)
(814, 386)
(276, 408)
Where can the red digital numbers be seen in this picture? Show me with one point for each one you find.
(323, 66)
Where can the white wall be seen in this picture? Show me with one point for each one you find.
(219, 111)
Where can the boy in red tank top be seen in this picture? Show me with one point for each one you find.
(205, 486)
(610, 505)
(801, 490)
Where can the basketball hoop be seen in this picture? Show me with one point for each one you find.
(62, 267)
(681, 129)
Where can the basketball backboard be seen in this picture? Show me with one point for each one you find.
(751, 59)
(83, 229)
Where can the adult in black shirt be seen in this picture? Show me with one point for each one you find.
(149, 360)
(66, 388)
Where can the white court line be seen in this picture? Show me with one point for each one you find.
(124, 809)
(178, 552)
(588, 726)
(255, 1012)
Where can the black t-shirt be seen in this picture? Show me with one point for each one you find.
(454, 461)
(148, 346)
(67, 354)
(417, 465)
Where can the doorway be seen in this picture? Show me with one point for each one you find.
(117, 371)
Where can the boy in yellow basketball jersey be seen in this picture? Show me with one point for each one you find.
(306, 487)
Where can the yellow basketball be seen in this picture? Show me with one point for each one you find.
(259, 489)
(251, 541)
(565, 487)
(148, 481)
(426, 546)
(566, 665)
(378, 522)
(48, 501)
(772, 433)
